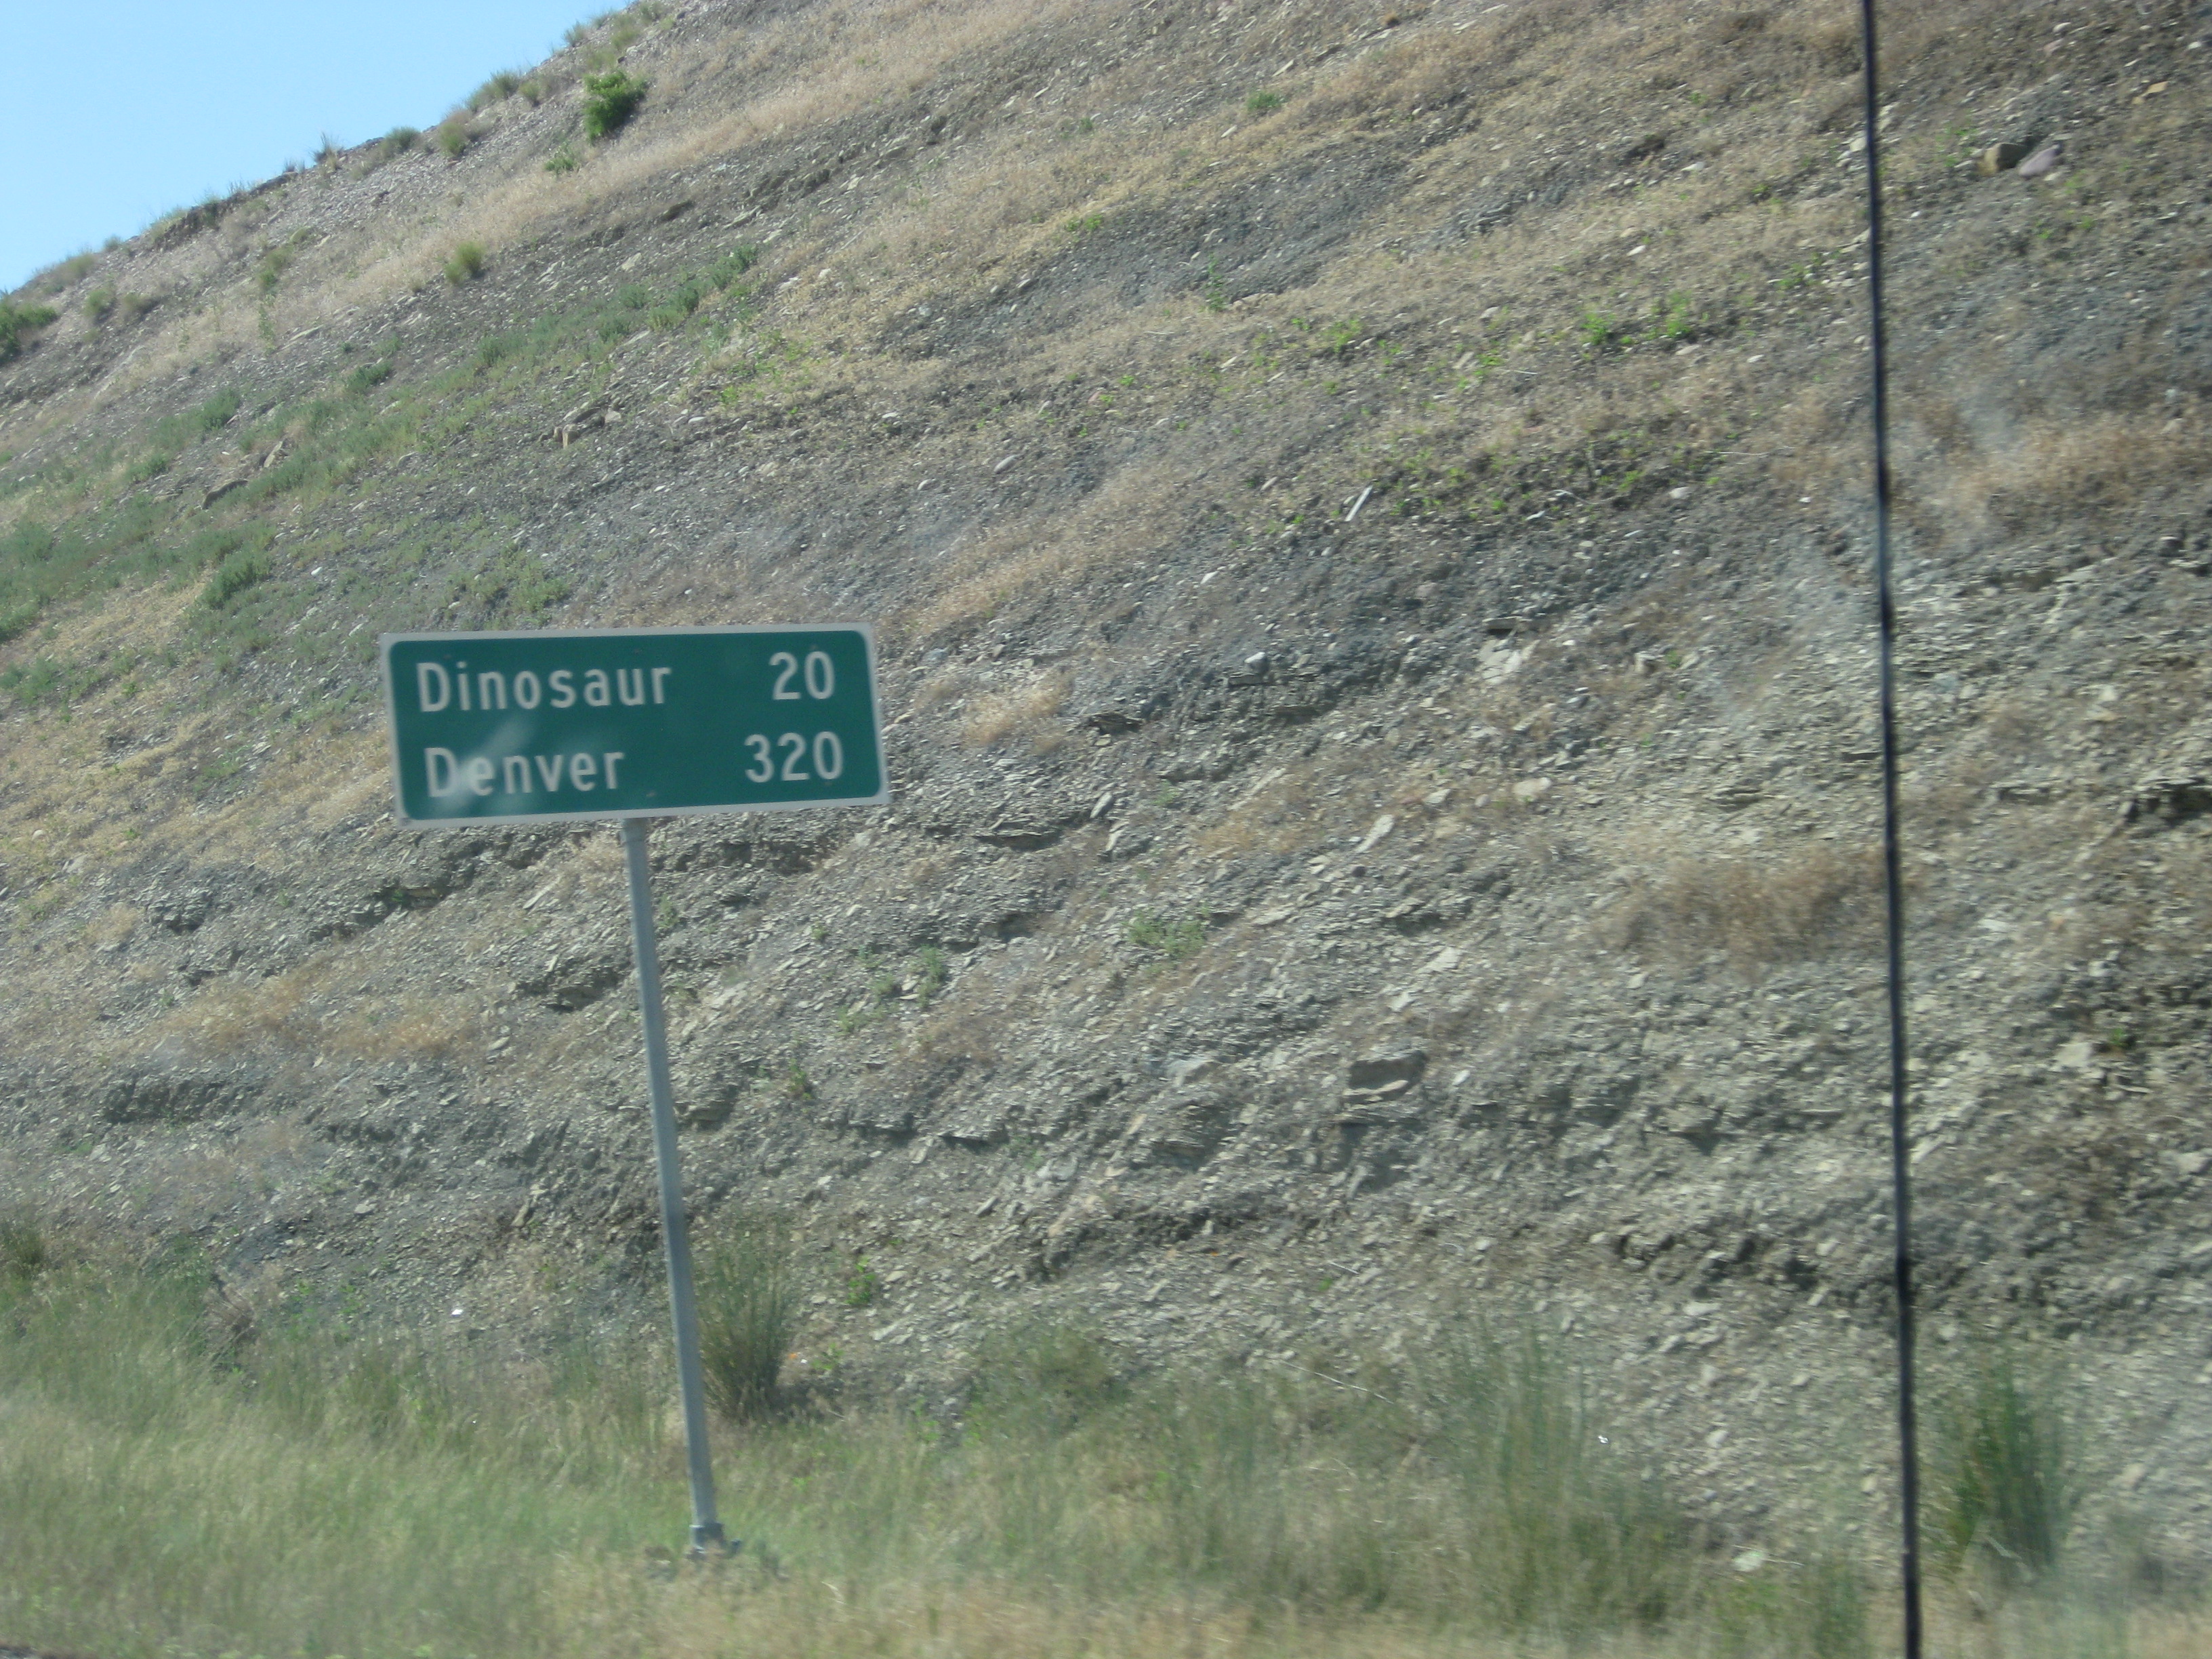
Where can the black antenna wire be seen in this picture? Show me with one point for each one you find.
(1900, 1161)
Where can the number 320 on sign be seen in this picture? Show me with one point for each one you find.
(786, 758)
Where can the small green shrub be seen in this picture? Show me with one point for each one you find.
(623, 30)
(25, 1252)
(516, 581)
(18, 320)
(368, 376)
(1676, 319)
(99, 303)
(454, 135)
(237, 573)
(676, 308)
(748, 1315)
(560, 160)
(861, 1283)
(278, 259)
(394, 143)
(467, 264)
(733, 264)
(1601, 329)
(176, 432)
(928, 975)
(610, 101)
(1263, 103)
(1176, 937)
(28, 683)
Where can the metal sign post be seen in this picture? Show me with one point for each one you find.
(636, 724)
(675, 1239)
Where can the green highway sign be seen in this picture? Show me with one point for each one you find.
(621, 722)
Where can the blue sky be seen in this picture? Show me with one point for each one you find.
(114, 116)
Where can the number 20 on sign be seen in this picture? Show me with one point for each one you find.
(497, 728)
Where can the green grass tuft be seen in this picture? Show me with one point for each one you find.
(25, 1250)
(498, 89)
(748, 1315)
(1178, 938)
(369, 376)
(467, 264)
(241, 560)
(2006, 1488)
(17, 321)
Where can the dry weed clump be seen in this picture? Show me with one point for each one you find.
(1820, 899)
(415, 1027)
(2047, 468)
(966, 1031)
(114, 926)
(233, 1016)
(1025, 712)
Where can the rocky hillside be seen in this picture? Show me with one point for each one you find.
(1365, 511)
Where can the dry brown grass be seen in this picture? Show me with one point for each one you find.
(967, 1029)
(413, 1027)
(791, 75)
(2023, 474)
(1816, 900)
(1023, 712)
(232, 1015)
(304, 1009)
(114, 926)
